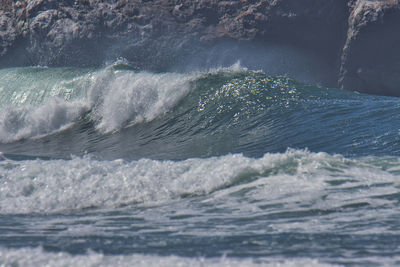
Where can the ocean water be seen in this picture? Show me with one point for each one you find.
(226, 167)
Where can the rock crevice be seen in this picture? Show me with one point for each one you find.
(357, 39)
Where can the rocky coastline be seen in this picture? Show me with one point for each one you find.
(355, 39)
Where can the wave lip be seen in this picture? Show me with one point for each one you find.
(123, 98)
(48, 100)
(38, 101)
(18, 123)
(116, 112)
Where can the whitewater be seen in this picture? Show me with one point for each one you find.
(225, 167)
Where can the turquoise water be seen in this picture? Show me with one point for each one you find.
(114, 166)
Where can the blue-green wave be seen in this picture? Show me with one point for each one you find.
(117, 112)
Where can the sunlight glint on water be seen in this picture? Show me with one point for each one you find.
(225, 167)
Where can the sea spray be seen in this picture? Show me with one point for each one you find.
(115, 98)
(47, 100)
(183, 115)
(227, 166)
(121, 98)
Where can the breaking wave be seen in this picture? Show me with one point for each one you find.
(117, 112)
(82, 183)
(109, 165)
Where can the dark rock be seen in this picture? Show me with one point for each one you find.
(353, 41)
(371, 58)
(52, 30)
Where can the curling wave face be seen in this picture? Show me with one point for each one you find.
(114, 164)
(61, 112)
(48, 100)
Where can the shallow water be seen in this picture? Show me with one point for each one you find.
(225, 167)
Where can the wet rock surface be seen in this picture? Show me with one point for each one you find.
(370, 60)
(356, 40)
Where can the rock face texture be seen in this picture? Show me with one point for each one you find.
(371, 58)
(356, 39)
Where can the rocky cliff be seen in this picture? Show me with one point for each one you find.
(354, 40)
(371, 59)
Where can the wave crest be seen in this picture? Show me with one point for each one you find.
(49, 100)
(121, 98)
(28, 121)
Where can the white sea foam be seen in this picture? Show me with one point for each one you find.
(116, 98)
(48, 186)
(28, 121)
(285, 179)
(39, 257)
(121, 98)
(49, 100)
(237, 67)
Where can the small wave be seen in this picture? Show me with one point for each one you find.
(39, 257)
(67, 185)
